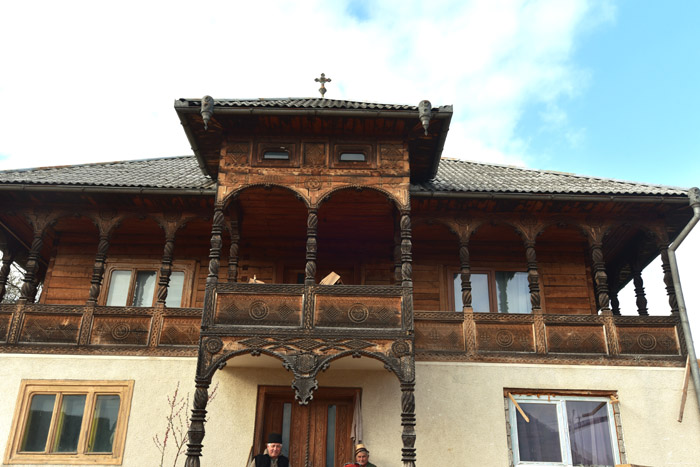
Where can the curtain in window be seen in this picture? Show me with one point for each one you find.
(589, 433)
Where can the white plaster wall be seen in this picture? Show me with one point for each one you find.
(460, 410)
(459, 406)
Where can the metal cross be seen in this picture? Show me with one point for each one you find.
(323, 80)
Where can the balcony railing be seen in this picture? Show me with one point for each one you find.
(89, 327)
(347, 308)
(589, 336)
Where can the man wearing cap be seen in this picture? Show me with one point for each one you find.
(361, 457)
(272, 457)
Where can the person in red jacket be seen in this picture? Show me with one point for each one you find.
(361, 457)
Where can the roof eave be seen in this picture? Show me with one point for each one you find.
(625, 198)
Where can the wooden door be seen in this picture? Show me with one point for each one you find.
(314, 435)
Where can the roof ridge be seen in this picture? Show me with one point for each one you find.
(563, 174)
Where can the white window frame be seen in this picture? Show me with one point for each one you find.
(564, 442)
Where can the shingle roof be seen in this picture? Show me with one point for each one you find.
(298, 103)
(452, 176)
(467, 176)
(172, 172)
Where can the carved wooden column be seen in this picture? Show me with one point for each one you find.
(29, 285)
(311, 247)
(408, 422)
(197, 420)
(639, 291)
(217, 227)
(465, 274)
(600, 277)
(166, 264)
(397, 253)
(533, 277)
(98, 268)
(668, 278)
(234, 227)
(614, 302)
(406, 255)
(8, 256)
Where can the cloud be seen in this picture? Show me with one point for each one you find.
(91, 81)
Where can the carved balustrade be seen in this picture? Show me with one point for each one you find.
(245, 308)
(486, 336)
(89, 329)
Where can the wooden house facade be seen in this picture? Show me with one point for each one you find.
(307, 247)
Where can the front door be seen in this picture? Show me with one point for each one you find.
(314, 435)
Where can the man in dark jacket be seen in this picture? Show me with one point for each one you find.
(272, 457)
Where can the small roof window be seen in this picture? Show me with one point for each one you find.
(353, 157)
(276, 155)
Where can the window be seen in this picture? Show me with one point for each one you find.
(352, 157)
(131, 284)
(75, 422)
(501, 291)
(276, 155)
(563, 430)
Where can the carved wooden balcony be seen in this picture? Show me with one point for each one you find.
(558, 338)
(243, 309)
(99, 329)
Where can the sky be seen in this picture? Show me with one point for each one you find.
(600, 88)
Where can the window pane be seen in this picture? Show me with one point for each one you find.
(513, 292)
(480, 292)
(330, 437)
(177, 282)
(352, 157)
(70, 418)
(538, 441)
(286, 425)
(104, 423)
(276, 155)
(118, 288)
(144, 288)
(38, 423)
(589, 433)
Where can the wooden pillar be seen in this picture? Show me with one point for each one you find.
(639, 291)
(8, 257)
(406, 255)
(465, 275)
(98, 268)
(533, 277)
(668, 278)
(311, 247)
(197, 420)
(166, 265)
(29, 285)
(233, 251)
(600, 277)
(408, 422)
(217, 227)
(397, 252)
(614, 302)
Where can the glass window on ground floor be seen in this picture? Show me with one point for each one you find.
(563, 430)
(70, 422)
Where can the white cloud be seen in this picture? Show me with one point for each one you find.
(94, 81)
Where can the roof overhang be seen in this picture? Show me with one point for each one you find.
(244, 118)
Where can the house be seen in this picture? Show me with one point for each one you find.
(336, 279)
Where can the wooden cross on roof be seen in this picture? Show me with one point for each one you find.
(323, 80)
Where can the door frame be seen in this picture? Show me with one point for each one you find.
(264, 392)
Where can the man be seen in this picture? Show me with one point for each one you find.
(361, 457)
(272, 457)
